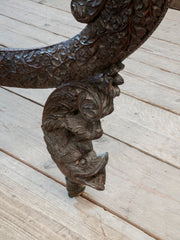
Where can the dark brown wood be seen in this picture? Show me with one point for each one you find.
(175, 4)
(85, 71)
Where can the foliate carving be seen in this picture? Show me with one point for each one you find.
(71, 120)
(85, 71)
(115, 29)
(86, 11)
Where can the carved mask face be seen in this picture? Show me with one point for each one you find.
(90, 170)
(86, 10)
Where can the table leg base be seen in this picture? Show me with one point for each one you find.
(74, 189)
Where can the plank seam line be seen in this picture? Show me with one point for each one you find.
(84, 195)
(146, 49)
(122, 92)
(22, 96)
(63, 10)
(144, 152)
(159, 68)
(153, 82)
(78, 28)
(141, 78)
(138, 149)
(70, 13)
(45, 4)
(150, 103)
(28, 37)
(31, 166)
(73, 27)
(34, 26)
(165, 40)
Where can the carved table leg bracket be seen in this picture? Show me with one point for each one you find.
(71, 120)
(84, 70)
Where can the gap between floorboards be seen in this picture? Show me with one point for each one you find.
(84, 195)
(138, 149)
(122, 92)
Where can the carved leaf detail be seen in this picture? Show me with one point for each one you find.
(117, 29)
(86, 10)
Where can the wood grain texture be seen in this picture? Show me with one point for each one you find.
(155, 94)
(173, 15)
(163, 32)
(31, 35)
(138, 186)
(36, 207)
(66, 5)
(155, 66)
(43, 17)
(161, 48)
(58, 4)
(139, 124)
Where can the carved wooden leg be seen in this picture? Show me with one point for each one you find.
(71, 120)
(74, 189)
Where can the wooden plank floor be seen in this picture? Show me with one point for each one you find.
(142, 136)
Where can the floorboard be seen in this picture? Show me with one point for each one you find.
(137, 185)
(155, 66)
(141, 125)
(35, 207)
(142, 136)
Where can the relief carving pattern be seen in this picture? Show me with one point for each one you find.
(84, 70)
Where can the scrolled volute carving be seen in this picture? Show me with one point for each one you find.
(71, 120)
(85, 71)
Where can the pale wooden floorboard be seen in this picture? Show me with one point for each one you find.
(36, 207)
(151, 93)
(173, 15)
(135, 64)
(33, 34)
(65, 5)
(161, 48)
(165, 27)
(139, 188)
(141, 125)
(52, 14)
(157, 71)
(59, 4)
(41, 16)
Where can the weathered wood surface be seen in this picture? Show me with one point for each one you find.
(143, 176)
(159, 56)
(63, 5)
(149, 127)
(161, 79)
(36, 207)
(138, 186)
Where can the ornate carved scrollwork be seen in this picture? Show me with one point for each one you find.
(71, 120)
(85, 71)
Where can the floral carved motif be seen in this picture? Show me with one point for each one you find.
(85, 71)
